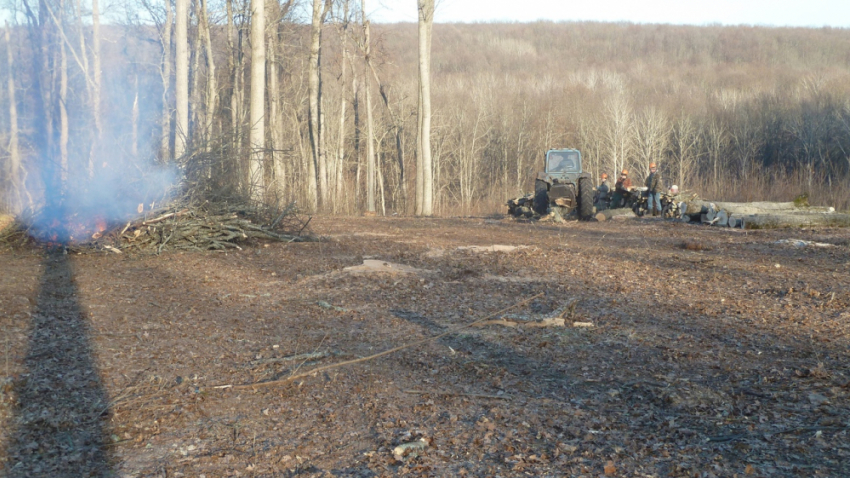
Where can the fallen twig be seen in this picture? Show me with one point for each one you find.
(458, 394)
(291, 378)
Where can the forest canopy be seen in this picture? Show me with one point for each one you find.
(733, 112)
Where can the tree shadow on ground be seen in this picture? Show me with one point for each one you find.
(58, 426)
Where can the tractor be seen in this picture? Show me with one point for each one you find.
(563, 188)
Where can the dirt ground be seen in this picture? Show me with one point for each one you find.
(712, 352)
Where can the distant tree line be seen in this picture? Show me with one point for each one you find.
(735, 113)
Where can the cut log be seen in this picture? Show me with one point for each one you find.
(735, 221)
(744, 208)
(765, 221)
(609, 214)
(722, 218)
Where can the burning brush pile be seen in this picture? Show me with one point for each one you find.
(181, 225)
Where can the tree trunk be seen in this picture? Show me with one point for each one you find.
(426, 20)
(609, 214)
(165, 138)
(97, 76)
(340, 148)
(181, 80)
(355, 88)
(14, 170)
(63, 101)
(196, 111)
(315, 115)
(258, 104)
(274, 111)
(134, 147)
(211, 100)
(765, 221)
(370, 132)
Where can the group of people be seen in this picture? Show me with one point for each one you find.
(623, 188)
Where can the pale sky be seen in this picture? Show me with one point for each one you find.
(808, 13)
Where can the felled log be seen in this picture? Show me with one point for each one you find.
(721, 218)
(735, 221)
(609, 214)
(765, 221)
(744, 208)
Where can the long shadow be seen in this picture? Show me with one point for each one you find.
(59, 423)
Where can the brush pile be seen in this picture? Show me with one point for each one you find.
(197, 229)
(178, 226)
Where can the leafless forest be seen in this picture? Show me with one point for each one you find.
(90, 102)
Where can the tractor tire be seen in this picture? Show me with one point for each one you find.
(541, 197)
(585, 199)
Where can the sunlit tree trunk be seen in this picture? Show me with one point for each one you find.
(181, 80)
(63, 101)
(258, 103)
(355, 106)
(134, 147)
(97, 76)
(14, 168)
(275, 126)
(340, 148)
(211, 100)
(165, 136)
(370, 131)
(315, 108)
(196, 109)
(426, 20)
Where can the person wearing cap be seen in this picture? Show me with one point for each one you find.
(621, 189)
(602, 199)
(654, 187)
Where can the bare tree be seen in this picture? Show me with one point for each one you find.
(211, 97)
(370, 128)
(165, 73)
(618, 131)
(13, 176)
(340, 149)
(181, 51)
(63, 99)
(652, 136)
(685, 142)
(426, 194)
(258, 103)
(97, 78)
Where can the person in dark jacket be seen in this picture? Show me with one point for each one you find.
(654, 186)
(622, 188)
(603, 191)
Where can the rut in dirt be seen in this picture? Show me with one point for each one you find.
(59, 423)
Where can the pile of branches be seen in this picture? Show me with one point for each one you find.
(181, 225)
(202, 228)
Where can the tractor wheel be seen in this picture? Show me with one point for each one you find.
(585, 199)
(541, 197)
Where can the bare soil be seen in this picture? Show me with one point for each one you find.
(713, 352)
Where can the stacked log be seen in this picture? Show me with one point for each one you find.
(758, 214)
(521, 206)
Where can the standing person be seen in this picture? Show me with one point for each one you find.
(654, 186)
(621, 188)
(602, 200)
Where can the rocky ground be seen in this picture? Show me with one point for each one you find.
(654, 349)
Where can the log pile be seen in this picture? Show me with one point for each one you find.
(521, 206)
(759, 215)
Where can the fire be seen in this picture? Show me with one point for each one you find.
(73, 229)
(99, 226)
